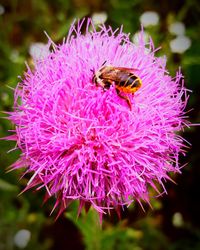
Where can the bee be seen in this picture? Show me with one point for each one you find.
(124, 80)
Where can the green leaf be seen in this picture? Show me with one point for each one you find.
(6, 186)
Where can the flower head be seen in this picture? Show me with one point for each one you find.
(81, 142)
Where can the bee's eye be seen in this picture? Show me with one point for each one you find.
(94, 79)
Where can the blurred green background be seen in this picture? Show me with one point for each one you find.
(174, 221)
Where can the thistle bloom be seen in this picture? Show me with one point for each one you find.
(81, 142)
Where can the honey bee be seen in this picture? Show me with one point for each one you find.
(124, 80)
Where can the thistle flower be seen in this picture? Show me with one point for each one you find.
(81, 142)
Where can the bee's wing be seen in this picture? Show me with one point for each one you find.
(127, 70)
(112, 75)
(117, 73)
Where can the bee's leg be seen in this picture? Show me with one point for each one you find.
(107, 85)
(125, 98)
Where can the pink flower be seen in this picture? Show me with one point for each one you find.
(81, 142)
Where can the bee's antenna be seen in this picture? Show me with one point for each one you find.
(104, 63)
(93, 71)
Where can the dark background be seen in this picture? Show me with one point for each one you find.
(174, 221)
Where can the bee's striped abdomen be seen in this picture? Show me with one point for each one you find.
(131, 79)
(130, 85)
